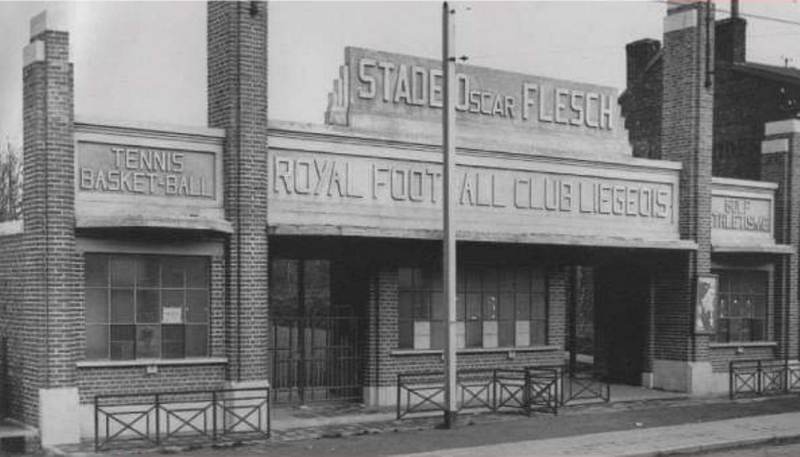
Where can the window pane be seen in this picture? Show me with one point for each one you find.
(147, 309)
(506, 333)
(122, 306)
(404, 277)
(196, 340)
(473, 306)
(537, 281)
(197, 273)
(537, 333)
(438, 306)
(523, 306)
(406, 306)
(406, 329)
(147, 272)
(490, 283)
(96, 306)
(148, 341)
(123, 342)
(172, 269)
(96, 270)
(172, 341)
(438, 335)
(474, 334)
(422, 309)
(172, 306)
(506, 307)
(506, 280)
(97, 341)
(538, 308)
(490, 306)
(461, 300)
(473, 279)
(436, 282)
(522, 280)
(122, 270)
(197, 306)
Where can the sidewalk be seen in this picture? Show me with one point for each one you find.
(686, 438)
(645, 427)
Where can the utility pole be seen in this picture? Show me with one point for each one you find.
(449, 264)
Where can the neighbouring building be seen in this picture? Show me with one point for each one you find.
(652, 236)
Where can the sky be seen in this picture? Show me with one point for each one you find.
(146, 60)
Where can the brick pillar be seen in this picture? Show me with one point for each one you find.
(780, 163)
(686, 137)
(237, 102)
(53, 304)
(382, 336)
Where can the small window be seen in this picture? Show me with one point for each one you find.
(144, 307)
(742, 310)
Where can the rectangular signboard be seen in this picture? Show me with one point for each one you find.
(494, 196)
(119, 169)
(742, 212)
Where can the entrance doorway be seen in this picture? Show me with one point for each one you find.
(317, 330)
(622, 295)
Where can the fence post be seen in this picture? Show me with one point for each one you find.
(398, 397)
(96, 426)
(758, 377)
(269, 414)
(731, 368)
(158, 420)
(214, 415)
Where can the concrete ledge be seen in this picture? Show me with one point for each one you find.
(11, 228)
(775, 146)
(782, 127)
(680, 19)
(33, 52)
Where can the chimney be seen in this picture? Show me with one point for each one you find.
(639, 53)
(731, 40)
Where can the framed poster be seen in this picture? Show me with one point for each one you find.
(705, 307)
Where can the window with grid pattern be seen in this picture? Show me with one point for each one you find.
(495, 307)
(144, 307)
(742, 310)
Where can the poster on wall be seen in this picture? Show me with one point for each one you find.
(706, 304)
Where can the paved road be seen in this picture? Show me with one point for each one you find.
(772, 450)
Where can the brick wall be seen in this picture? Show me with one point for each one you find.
(237, 102)
(16, 392)
(123, 380)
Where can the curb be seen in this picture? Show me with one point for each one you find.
(706, 448)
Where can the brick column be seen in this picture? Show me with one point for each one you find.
(54, 318)
(382, 336)
(681, 358)
(237, 102)
(780, 163)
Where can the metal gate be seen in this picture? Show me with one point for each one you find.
(317, 357)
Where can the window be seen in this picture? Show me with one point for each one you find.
(143, 307)
(495, 307)
(743, 306)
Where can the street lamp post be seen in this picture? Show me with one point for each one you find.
(449, 254)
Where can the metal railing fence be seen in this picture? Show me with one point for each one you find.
(155, 419)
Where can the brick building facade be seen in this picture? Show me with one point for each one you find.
(255, 252)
